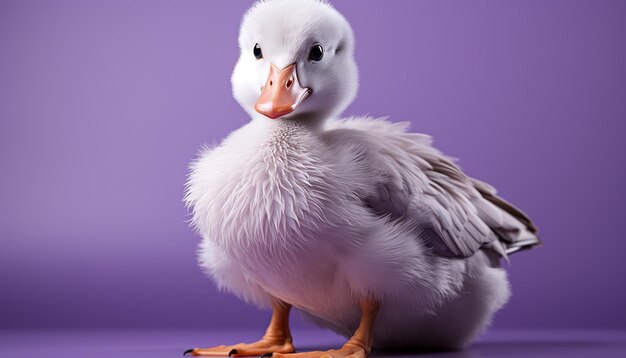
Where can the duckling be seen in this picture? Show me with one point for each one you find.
(361, 225)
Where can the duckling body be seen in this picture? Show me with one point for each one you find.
(287, 214)
(351, 221)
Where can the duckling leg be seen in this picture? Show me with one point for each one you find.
(358, 346)
(277, 338)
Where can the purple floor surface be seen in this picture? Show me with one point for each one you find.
(163, 343)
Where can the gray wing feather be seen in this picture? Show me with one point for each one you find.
(453, 213)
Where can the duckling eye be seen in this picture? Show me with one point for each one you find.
(257, 52)
(316, 53)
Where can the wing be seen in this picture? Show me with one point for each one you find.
(454, 214)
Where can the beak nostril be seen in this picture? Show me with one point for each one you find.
(289, 83)
(271, 83)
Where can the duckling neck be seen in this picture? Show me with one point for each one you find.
(303, 122)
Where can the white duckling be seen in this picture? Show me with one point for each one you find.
(365, 228)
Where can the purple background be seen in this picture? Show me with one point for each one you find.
(103, 104)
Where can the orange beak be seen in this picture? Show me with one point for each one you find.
(282, 92)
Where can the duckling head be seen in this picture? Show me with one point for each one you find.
(296, 61)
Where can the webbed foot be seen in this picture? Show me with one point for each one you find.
(349, 350)
(263, 346)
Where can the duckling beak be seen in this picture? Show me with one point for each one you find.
(282, 92)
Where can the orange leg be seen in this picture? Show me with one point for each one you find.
(358, 346)
(277, 338)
